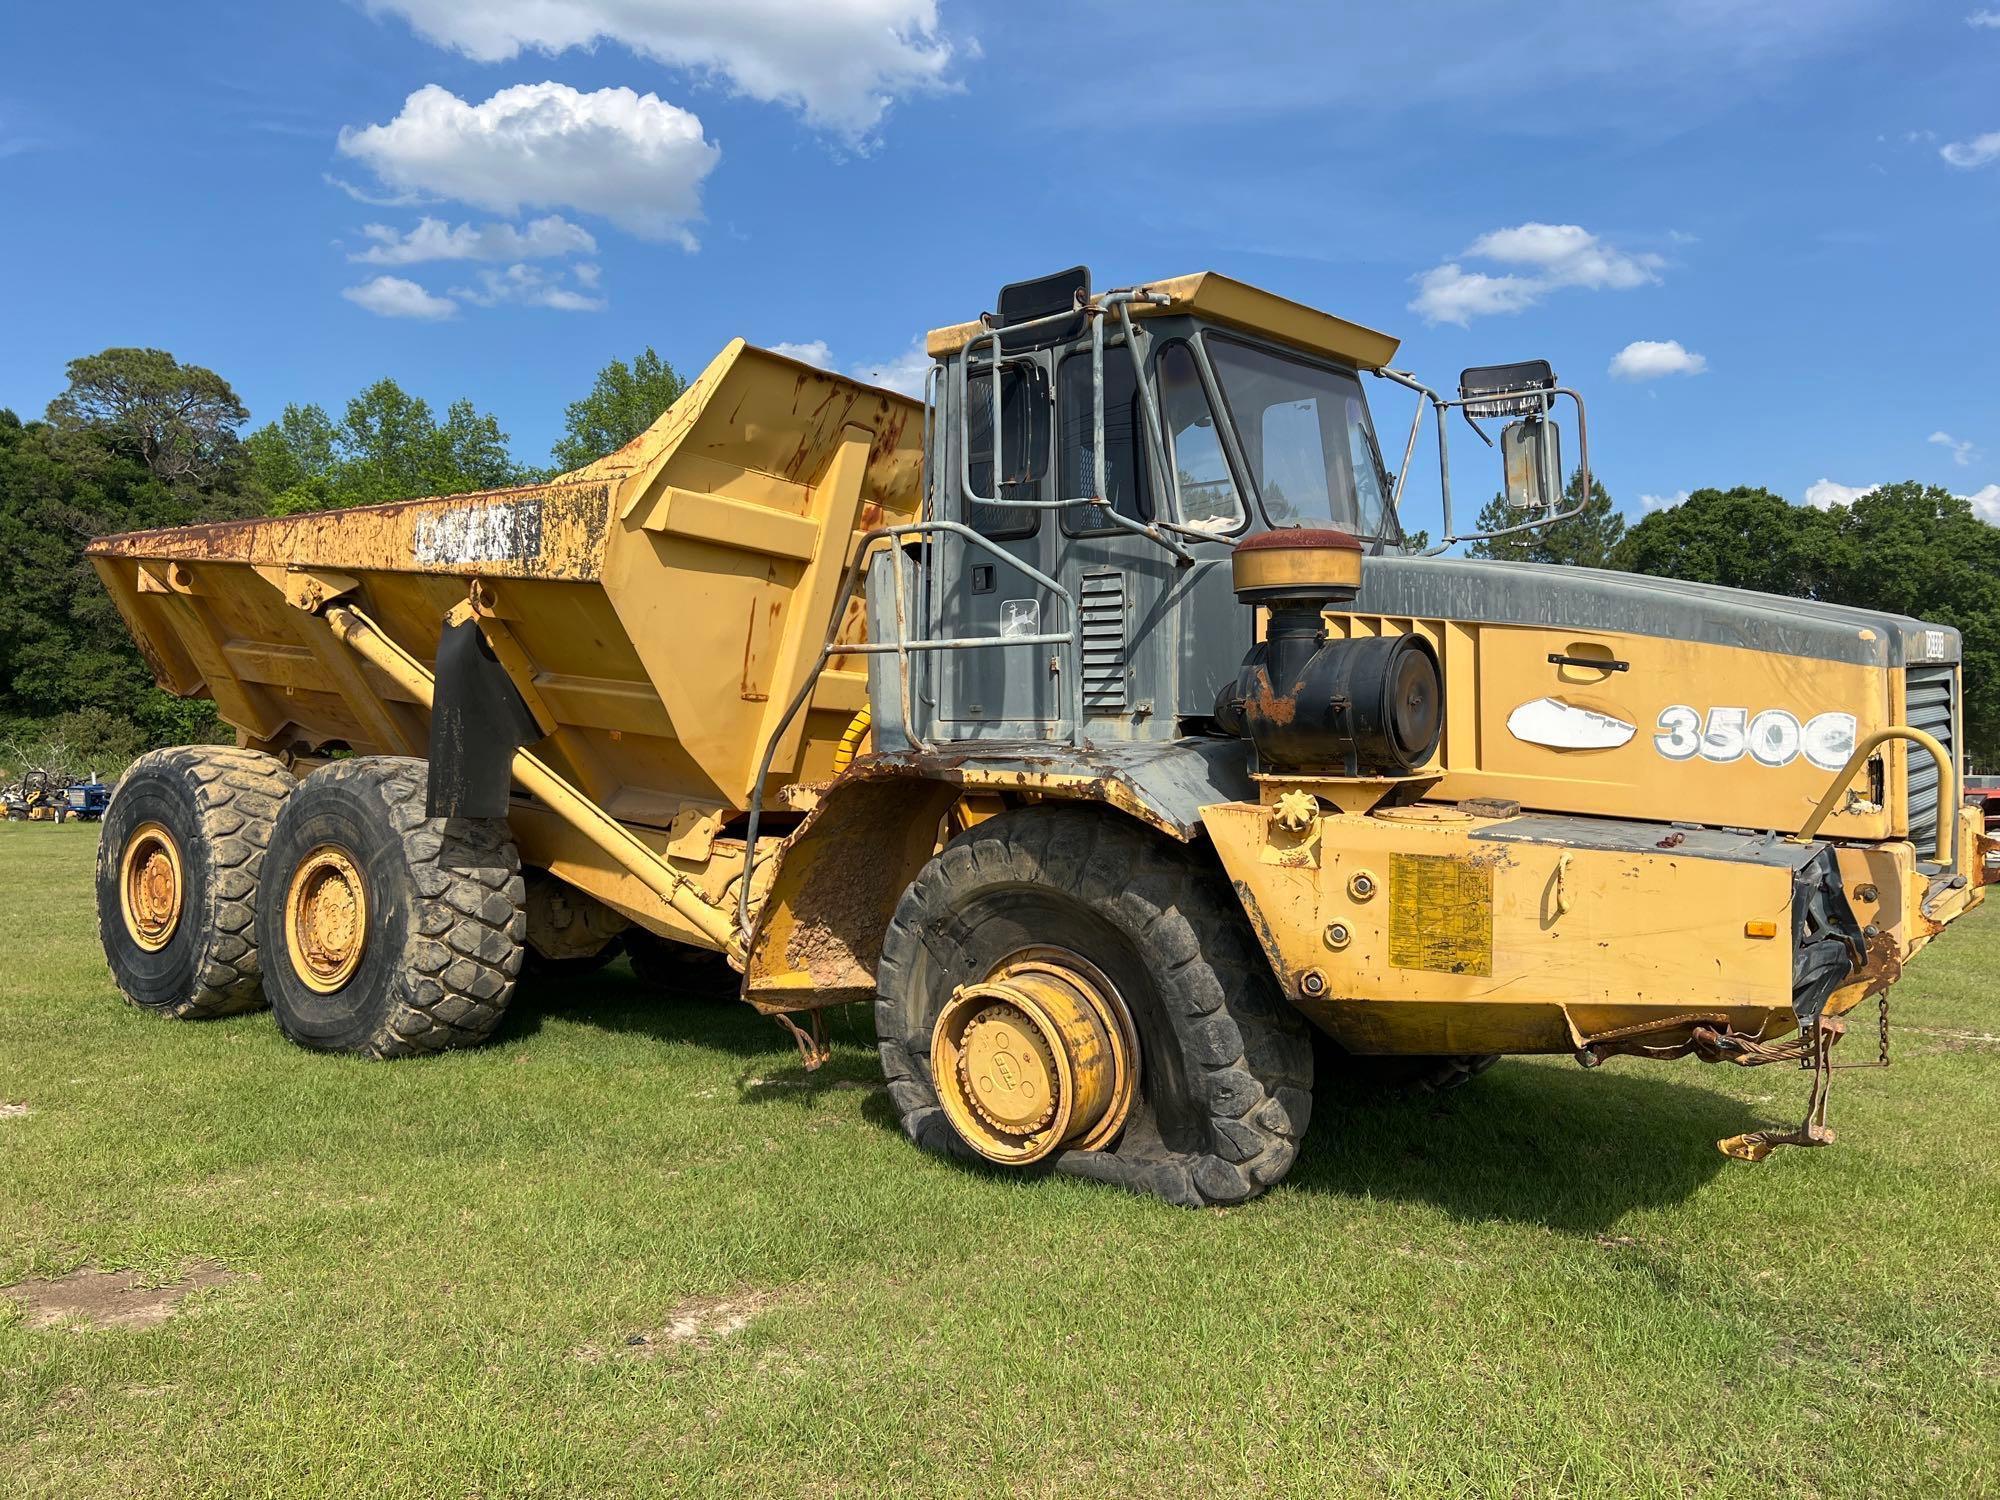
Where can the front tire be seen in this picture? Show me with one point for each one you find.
(178, 863)
(1048, 904)
(387, 933)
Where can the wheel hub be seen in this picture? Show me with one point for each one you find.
(1040, 1055)
(326, 918)
(150, 886)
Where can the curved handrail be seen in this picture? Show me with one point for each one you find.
(1947, 830)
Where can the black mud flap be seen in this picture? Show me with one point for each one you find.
(478, 721)
(1827, 942)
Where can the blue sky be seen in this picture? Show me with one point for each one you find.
(1762, 237)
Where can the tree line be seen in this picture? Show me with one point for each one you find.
(138, 439)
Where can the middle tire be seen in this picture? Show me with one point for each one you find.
(1011, 944)
(384, 932)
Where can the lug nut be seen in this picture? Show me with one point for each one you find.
(1361, 885)
(1312, 984)
(1337, 935)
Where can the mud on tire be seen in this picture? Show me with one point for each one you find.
(209, 811)
(441, 918)
(1226, 1066)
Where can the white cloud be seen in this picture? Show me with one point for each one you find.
(632, 158)
(587, 273)
(373, 200)
(1990, 19)
(839, 62)
(1451, 294)
(1986, 503)
(434, 239)
(393, 297)
(1548, 257)
(1566, 255)
(1650, 359)
(530, 287)
(1825, 494)
(904, 373)
(816, 353)
(1976, 152)
(1662, 502)
(1961, 451)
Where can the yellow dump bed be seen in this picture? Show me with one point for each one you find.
(659, 607)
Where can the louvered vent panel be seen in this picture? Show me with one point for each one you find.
(1102, 605)
(1929, 692)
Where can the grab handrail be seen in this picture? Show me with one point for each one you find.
(1947, 829)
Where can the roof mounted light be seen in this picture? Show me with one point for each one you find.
(1518, 390)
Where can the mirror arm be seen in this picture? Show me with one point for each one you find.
(1444, 478)
(1440, 405)
(1383, 372)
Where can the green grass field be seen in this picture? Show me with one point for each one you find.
(1549, 1284)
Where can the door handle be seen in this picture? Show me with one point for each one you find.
(1600, 663)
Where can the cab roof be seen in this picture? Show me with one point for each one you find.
(1223, 300)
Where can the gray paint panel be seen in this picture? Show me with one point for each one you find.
(1174, 780)
(1510, 593)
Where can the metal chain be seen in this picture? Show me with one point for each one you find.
(1884, 1013)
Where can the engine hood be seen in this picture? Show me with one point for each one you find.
(1516, 593)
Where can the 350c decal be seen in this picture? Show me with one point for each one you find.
(1772, 737)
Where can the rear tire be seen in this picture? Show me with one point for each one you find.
(1224, 1065)
(387, 933)
(569, 935)
(178, 862)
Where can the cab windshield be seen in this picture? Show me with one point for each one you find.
(1307, 438)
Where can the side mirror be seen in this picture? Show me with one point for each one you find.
(1531, 452)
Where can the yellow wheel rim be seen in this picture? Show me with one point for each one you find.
(1038, 1056)
(326, 918)
(151, 887)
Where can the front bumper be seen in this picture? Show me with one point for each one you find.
(1429, 929)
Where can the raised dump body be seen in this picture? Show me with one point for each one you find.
(1151, 774)
(656, 610)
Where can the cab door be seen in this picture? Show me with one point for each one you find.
(999, 692)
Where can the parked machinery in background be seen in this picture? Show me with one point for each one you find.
(87, 800)
(38, 797)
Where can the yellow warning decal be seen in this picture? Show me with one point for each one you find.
(1440, 914)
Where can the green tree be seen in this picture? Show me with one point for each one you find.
(1917, 549)
(1744, 538)
(623, 402)
(1585, 540)
(387, 445)
(63, 647)
(180, 420)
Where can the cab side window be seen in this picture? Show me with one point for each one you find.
(1024, 427)
(1208, 497)
(1124, 463)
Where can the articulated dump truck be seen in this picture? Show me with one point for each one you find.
(1092, 720)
